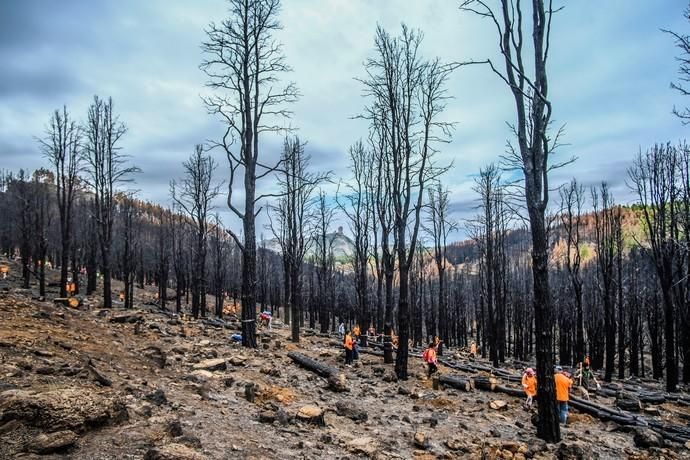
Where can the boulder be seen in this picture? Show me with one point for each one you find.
(363, 446)
(51, 443)
(338, 383)
(646, 438)
(72, 409)
(347, 409)
(157, 397)
(238, 360)
(217, 364)
(172, 452)
(575, 451)
(421, 440)
(498, 404)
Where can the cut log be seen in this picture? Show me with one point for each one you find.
(455, 381)
(510, 391)
(485, 383)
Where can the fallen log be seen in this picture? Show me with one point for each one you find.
(336, 380)
(324, 370)
(455, 381)
(510, 391)
(485, 383)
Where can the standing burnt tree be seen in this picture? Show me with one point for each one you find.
(105, 166)
(656, 178)
(61, 146)
(324, 260)
(294, 215)
(607, 225)
(409, 92)
(243, 63)
(439, 227)
(196, 192)
(355, 206)
(533, 111)
(572, 201)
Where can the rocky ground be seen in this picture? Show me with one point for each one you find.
(93, 384)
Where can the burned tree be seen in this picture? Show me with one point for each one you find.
(294, 216)
(194, 196)
(656, 178)
(533, 116)
(243, 64)
(607, 225)
(324, 259)
(355, 205)
(106, 170)
(408, 96)
(61, 146)
(572, 201)
(439, 227)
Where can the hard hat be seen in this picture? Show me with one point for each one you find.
(529, 371)
(558, 369)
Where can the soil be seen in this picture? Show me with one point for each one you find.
(76, 384)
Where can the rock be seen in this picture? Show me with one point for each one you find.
(174, 428)
(157, 397)
(172, 452)
(72, 409)
(250, 390)
(9, 426)
(421, 440)
(514, 446)
(495, 432)
(455, 444)
(267, 416)
(403, 391)
(204, 343)
(363, 446)
(575, 451)
(272, 371)
(646, 438)
(238, 360)
(189, 441)
(156, 355)
(498, 404)
(200, 376)
(56, 442)
(347, 409)
(628, 402)
(311, 414)
(217, 364)
(390, 376)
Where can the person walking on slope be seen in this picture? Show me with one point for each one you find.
(430, 359)
(473, 351)
(341, 330)
(562, 382)
(348, 344)
(529, 384)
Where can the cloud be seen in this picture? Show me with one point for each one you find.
(609, 71)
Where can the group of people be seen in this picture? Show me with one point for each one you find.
(563, 382)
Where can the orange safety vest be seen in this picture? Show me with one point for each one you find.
(473, 348)
(355, 331)
(348, 342)
(529, 384)
(562, 384)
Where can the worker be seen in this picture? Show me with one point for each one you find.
(585, 374)
(529, 385)
(122, 296)
(430, 359)
(348, 344)
(4, 269)
(439, 345)
(355, 333)
(473, 350)
(70, 287)
(341, 330)
(562, 382)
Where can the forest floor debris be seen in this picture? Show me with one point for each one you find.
(184, 390)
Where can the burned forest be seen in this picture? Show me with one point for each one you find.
(270, 229)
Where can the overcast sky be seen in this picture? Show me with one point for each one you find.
(609, 78)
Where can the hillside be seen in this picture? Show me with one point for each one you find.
(94, 384)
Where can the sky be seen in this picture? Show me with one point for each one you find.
(609, 76)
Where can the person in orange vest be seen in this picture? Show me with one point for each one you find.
(70, 287)
(348, 344)
(473, 350)
(529, 384)
(430, 359)
(122, 296)
(563, 383)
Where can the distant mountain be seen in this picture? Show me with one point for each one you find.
(342, 245)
